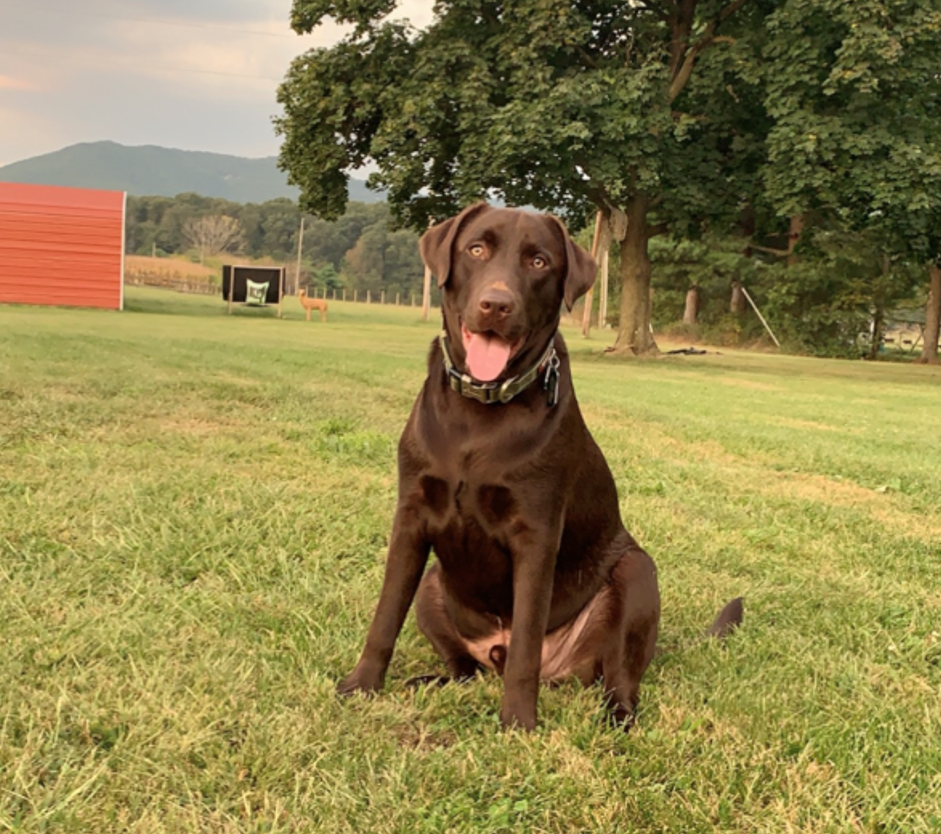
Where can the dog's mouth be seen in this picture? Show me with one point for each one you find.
(487, 353)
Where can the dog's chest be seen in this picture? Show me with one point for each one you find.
(450, 500)
(470, 524)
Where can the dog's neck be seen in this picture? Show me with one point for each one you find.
(490, 393)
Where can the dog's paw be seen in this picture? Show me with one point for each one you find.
(356, 683)
(512, 720)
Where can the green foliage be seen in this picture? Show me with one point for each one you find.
(327, 277)
(361, 250)
(711, 264)
(717, 118)
(558, 107)
(826, 300)
(819, 304)
(855, 98)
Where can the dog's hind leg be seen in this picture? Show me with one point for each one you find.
(435, 623)
(629, 644)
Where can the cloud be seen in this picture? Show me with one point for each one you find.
(195, 74)
(20, 84)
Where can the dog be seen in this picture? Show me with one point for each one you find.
(312, 304)
(536, 577)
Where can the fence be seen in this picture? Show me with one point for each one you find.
(398, 299)
(172, 280)
(210, 285)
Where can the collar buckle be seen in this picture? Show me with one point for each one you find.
(550, 382)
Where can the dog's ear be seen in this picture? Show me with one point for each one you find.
(581, 267)
(436, 244)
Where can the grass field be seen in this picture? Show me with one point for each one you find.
(193, 515)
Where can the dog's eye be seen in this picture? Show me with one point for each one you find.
(540, 262)
(477, 250)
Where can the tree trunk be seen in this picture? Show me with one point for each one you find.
(929, 350)
(737, 305)
(692, 306)
(878, 329)
(634, 332)
(794, 236)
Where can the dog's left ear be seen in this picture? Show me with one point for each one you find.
(436, 244)
(580, 268)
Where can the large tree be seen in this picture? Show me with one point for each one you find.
(854, 94)
(649, 110)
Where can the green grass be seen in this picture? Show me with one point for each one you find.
(193, 515)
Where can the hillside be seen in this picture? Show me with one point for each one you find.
(156, 171)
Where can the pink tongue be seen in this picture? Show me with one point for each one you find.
(486, 355)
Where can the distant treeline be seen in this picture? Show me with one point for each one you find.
(360, 251)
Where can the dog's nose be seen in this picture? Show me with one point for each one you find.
(496, 304)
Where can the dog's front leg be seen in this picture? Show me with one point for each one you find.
(533, 573)
(405, 564)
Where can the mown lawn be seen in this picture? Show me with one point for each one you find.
(193, 515)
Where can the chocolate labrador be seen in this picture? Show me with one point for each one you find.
(536, 577)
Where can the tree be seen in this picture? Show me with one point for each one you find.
(567, 107)
(213, 234)
(929, 349)
(854, 93)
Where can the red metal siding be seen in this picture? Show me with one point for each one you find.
(61, 246)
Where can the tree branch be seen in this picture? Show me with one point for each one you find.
(781, 253)
(682, 75)
(731, 9)
(683, 71)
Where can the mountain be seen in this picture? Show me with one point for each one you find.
(155, 171)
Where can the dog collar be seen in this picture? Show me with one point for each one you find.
(489, 393)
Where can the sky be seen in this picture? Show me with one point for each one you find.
(191, 74)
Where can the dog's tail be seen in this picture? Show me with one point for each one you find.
(729, 619)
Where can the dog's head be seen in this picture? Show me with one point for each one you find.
(504, 275)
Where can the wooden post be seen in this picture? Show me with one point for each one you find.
(369, 296)
(397, 299)
(344, 294)
(691, 310)
(300, 250)
(426, 285)
(382, 296)
(589, 296)
(231, 286)
(737, 304)
(603, 289)
(281, 288)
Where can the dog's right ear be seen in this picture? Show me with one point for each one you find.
(436, 244)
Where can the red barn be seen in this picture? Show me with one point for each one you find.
(61, 246)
